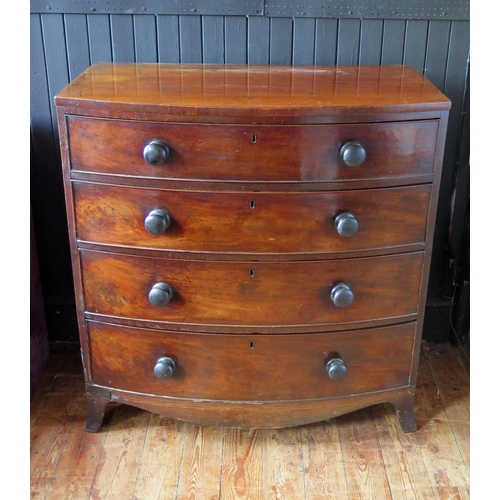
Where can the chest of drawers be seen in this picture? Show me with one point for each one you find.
(251, 245)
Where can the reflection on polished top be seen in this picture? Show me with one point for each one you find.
(199, 89)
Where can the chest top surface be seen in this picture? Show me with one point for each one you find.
(262, 90)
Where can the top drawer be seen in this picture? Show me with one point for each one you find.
(263, 153)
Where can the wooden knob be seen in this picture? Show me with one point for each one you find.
(342, 295)
(353, 153)
(346, 224)
(157, 222)
(156, 152)
(160, 294)
(164, 368)
(336, 369)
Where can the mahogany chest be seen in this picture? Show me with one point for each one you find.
(251, 245)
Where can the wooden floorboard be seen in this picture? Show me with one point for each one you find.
(324, 469)
(242, 460)
(363, 455)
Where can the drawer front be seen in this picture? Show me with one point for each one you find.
(253, 153)
(251, 367)
(251, 294)
(260, 223)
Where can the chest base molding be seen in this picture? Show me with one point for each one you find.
(248, 415)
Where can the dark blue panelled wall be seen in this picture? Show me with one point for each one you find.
(66, 37)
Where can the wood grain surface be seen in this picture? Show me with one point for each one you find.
(251, 367)
(252, 223)
(228, 153)
(284, 90)
(257, 295)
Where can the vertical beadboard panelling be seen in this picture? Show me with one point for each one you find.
(415, 43)
(42, 140)
(145, 39)
(213, 39)
(304, 32)
(454, 86)
(455, 79)
(235, 39)
(348, 42)
(258, 40)
(56, 59)
(190, 39)
(393, 41)
(99, 38)
(280, 49)
(437, 52)
(122, 38)
(325, 50)
(40, 113)
(435, 69)
(458, 89)
(77, 43)
(45, 138)
(168, 39)
(370, 45)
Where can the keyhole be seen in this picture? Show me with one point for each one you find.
(252, 204)
(254, 139)
(251, 345)
(251, 273)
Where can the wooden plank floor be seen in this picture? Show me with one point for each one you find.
(362, 455)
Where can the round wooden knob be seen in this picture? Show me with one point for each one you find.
(164, 368)
(353, 154)
(336, 369)
(157, 222)
(160, 294)
(156, 152)
(342, 295)
(346, 224)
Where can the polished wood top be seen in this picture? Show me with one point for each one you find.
(197, 89)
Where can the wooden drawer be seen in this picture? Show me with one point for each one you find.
(251, 367)
(253, 152)
(251, 295)
(259, 223)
